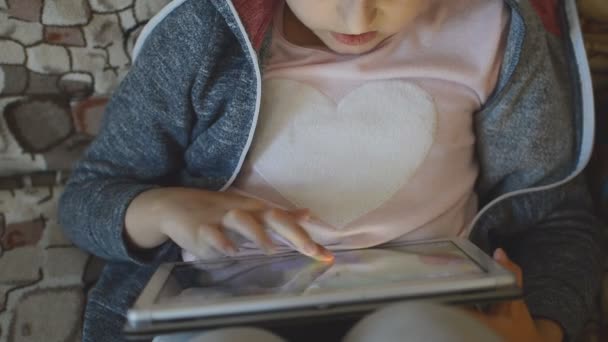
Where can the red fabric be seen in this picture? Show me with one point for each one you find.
(547, 10)
(256, 16)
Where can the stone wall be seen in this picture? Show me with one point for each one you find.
(59, 61)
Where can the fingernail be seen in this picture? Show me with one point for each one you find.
(318, 252)
(499, 254)
(326, 255)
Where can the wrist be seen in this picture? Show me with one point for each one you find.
(144, 218)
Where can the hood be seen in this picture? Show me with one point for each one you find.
(256, 16)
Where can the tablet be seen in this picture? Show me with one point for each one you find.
(290, 283)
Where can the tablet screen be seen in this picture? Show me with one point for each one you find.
(296, 274)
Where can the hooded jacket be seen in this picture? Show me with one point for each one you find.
(186, 113)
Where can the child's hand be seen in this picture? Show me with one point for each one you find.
(512, 319)
(199, 220)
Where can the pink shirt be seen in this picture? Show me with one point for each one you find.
(379, 146)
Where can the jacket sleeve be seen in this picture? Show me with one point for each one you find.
(531, 137)
(561, 258)
(141, 144)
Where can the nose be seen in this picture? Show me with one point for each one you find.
(358, 15)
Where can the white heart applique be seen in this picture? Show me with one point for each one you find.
(342, 161)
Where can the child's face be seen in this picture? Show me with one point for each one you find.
(356, 26)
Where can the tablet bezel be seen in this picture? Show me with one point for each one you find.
(145, 310)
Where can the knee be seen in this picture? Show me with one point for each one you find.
(412, 321)
(237, 334)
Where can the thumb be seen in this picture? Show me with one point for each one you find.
(502, 258)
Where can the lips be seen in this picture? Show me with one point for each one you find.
(355, 39)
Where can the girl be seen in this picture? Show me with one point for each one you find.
(374, 121)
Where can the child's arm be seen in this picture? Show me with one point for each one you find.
(555, 238)
(201, 221)
(118, 197)
(124, 207)
(124, 199)
(140, 144)
(531, 137)
(561, 259)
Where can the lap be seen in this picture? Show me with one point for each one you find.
(397, 322)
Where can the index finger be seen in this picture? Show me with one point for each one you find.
(285, 225)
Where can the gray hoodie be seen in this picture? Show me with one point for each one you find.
(186, 113)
